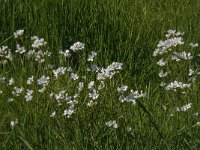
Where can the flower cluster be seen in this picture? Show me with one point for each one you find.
(170, 55)
(37, 42)
(77, 46)
(185, 107)
(112, 123)
(18, 33)
(131, 97)
(5, 54)
(110, 71)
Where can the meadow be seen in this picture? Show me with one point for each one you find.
(99, 74)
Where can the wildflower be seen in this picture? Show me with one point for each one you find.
(90, 85)
(13, 123)
(162, 74)
(37, 43)
(40, 55)
(17, 91)
(11, 81)
(53, 114)
(74, 76)
(101, 85)
(5, 53)
(80, 86)
(29, 96)
(43, 80)
(122, 89)
(91, 56)
(18, 33)
(132, 97)
(66, 53)
(77, 46)
(51, 95)
(191, 72)
(59, 71)
(42, 89)
(2, 79)
(182, 55)
(110, 71)
(184, 108)
(10, 99)
(175, 84)
(20, 50)
(91, 103)
(194, 45)
(94, 94)
(161, 62)
(112, 123)
(68, 112)
(30, 80)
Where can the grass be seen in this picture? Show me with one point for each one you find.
(123, 31)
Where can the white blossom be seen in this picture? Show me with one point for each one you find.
(28, 95)
(18, 33)
(11, 81)
(112, 123)
(30, 80)
(20, 49)
(74, 76)
(184, 108)
(162, 74)
(92, 56)
(77, 46)
(122, 89)
(161, 62)
(37, 42)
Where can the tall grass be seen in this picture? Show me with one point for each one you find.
(123, 31)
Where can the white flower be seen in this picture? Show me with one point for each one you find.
(30, 80)
(74, 76)
(132, 97)
(161, 62)
(28, 95)
(43, 80)
(66, 53)
(194, 45)
(77, 46)
(13, 123)
(101, 85)
(162, 74)
(90, 85)
(80, 86)
(53, 114)
(42, 89)
(68, 112)
(11, 81)
(110, 71)
(91, 103)
(112, 123)
(38, 42)
(175, 84)
(94, 94)
(17, 91)
(20, 50)
(18, 33)
(184, 108)
(91, 56)
(59, 71)
(191, 72)
(122, 89)
(182, 55)
(162, 84)
(10, 99)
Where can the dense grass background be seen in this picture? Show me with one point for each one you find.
(126, 31)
